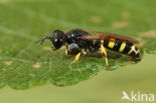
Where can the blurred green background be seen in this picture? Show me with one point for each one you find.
(30, 20)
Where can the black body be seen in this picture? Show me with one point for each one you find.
(75, 36)
(59, 38)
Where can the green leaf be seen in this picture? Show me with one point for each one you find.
(24, 64)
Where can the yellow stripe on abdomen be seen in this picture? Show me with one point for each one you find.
(122, 47)
(111, 44)
(132, 49)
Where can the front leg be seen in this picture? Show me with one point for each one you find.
(67, 51)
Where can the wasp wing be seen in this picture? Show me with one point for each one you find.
(108, 36)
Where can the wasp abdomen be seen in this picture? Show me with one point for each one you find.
(123, 47)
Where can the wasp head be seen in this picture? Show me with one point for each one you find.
(57, 38)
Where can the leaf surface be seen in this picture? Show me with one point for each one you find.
(24, 64)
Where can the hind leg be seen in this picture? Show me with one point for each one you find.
(104, 54)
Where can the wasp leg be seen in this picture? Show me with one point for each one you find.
(104, 54)
(67, 52)
(78, 56)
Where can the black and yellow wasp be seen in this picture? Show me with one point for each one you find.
(81, 42)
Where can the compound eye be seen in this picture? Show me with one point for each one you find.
(55, 40)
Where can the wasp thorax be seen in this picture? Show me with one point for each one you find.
(57, 39)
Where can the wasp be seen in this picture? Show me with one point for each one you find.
(81, 42)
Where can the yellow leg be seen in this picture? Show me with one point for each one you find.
(67, 53)
(104, 54)
(78, 56)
